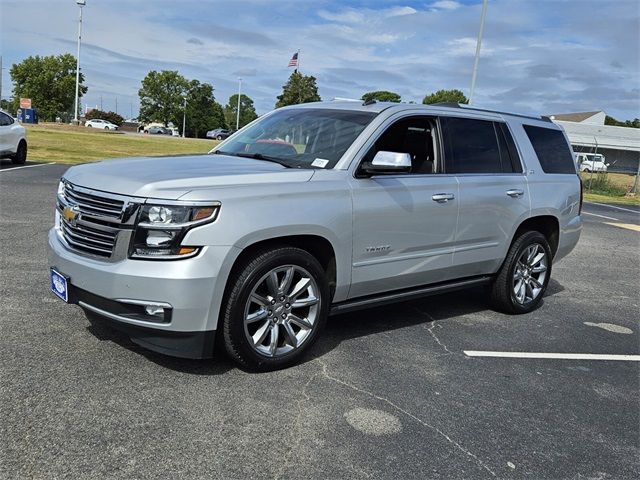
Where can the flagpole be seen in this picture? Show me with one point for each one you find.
(298, 60)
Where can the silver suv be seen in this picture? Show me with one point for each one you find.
(313, 210)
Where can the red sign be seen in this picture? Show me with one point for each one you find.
(25, 103)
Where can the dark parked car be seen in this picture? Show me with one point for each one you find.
(219, 133)
(158, 131)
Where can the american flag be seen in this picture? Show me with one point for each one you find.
(294, 60)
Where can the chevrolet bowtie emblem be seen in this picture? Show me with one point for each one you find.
(71, 214)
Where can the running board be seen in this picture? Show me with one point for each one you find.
(405, 295)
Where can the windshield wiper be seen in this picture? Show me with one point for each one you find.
(255, 156)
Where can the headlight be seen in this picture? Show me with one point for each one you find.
(161, 229)
(61, 188)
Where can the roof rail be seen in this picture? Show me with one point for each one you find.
(345, 99)
(466, 107)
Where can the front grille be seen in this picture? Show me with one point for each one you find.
(87, 239)
(101, 220)
(93, 203)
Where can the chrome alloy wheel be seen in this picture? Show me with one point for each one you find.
(281, 311)
(530, 274)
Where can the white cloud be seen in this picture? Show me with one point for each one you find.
(445, 5)
(350, 49)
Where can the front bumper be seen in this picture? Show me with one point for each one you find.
(185, 287)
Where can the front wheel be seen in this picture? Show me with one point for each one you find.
(524, 275)
(219, 137)
(21, 154)
(275, 308)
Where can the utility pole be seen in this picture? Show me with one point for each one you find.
(100, 102)
(1, 81)
(116, 104)
(634, 189)
(81, 3)
(184, 116)
(478, 46)
(238, 112)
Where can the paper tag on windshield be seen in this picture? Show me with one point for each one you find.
(319, 162)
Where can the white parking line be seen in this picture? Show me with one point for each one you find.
(614, 206)
(26, 166)
(601, 216)
(557, 356)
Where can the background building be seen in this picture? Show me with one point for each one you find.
(588, 133)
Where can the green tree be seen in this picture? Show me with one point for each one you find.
(247, 110)
(381, 96)
(299, 89)
(446, 96)
(112, 117)
(203, 112)
(635, 123)
(162, 96)
(49, 82)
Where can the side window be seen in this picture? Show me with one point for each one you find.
(470, 146)
(508, 152)
(552, 149)
(415, 136)
(5, 120)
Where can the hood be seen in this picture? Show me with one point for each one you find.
(172, 177)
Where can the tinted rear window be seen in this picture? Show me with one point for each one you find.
(471, 146)
(552, 149)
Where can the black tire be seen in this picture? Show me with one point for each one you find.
(241, 283)
(21, 154)
(502, 294)
(90, 126)
(219, 137)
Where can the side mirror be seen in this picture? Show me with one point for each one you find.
(607, 164)
(387, 163)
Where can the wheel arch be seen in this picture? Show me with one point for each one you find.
(548, 225)
(318, 246)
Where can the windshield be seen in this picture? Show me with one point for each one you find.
(304, 138)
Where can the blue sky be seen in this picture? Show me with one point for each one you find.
(545, 56)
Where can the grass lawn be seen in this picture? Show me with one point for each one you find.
(70, 144)
(609, 188)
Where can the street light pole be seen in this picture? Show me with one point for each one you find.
(238, 112)
(1, 81)
(478, 45)
(81, 3)
(184, 116)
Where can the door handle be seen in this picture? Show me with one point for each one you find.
(442, 197)
(515, 193)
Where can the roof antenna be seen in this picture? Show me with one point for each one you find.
(371, 101)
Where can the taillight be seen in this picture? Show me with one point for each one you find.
(581, 194)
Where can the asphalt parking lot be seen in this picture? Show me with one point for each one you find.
(386, 393)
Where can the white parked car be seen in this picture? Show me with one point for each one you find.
(13, 139)
(590, 162)
(103, 124)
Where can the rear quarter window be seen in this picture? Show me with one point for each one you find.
(552, 149)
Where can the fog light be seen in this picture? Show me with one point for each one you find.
(154, 310)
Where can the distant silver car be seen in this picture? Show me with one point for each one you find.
(315, 209)
(219, 133)
(155, 130)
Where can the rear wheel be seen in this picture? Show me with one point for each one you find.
(219, 137)
(21, 154)
(275, 308)
(524, 276)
